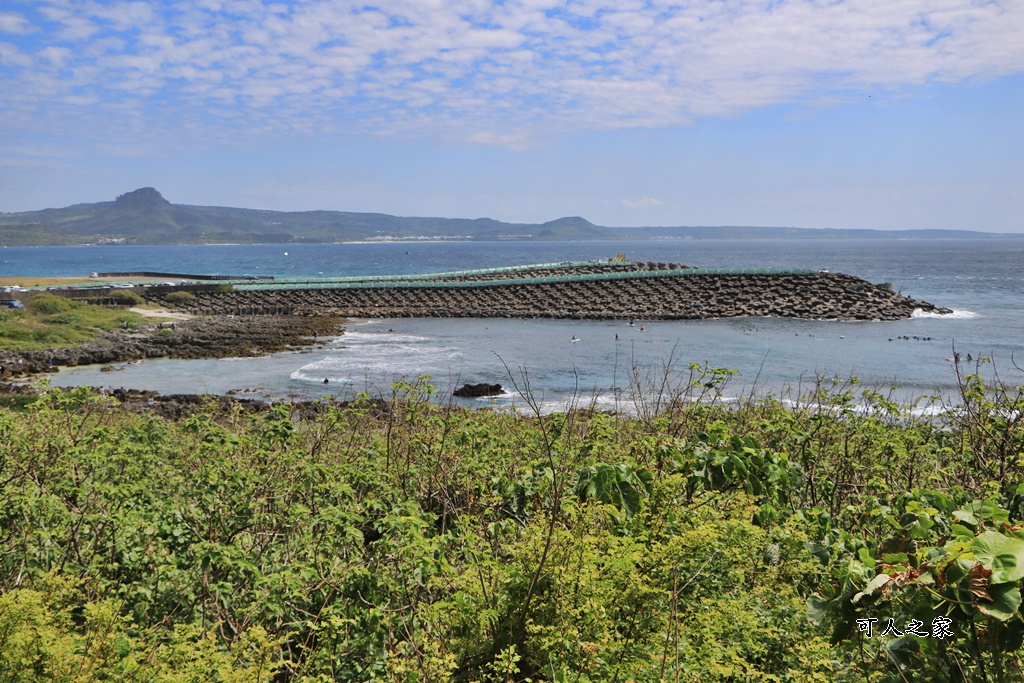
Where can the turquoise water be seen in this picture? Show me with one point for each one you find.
(981, 280)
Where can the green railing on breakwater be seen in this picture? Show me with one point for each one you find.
(454, 279)
(428, 281)
(240, 281)
(440, 276)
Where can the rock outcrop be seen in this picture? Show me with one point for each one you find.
(221, 337)
(478, 390)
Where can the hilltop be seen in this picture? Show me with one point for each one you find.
(144, 216)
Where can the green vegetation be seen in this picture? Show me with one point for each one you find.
(180, 298)
(50, 321)
(120, 297)
(33, 232)
(50, 304)
(396, 539)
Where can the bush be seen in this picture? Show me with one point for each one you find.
(180, 298)
(396, 539)
(126, 298)
(61, 632)
(48, 304)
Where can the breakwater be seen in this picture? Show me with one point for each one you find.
(666, 293)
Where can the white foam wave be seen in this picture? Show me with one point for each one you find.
(350, 338)
(955, 315)
(381, 361)
(928, 411)
(505, 395)
(867, 410)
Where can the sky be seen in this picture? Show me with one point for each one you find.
(884, 114)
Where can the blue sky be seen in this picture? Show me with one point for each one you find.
(879, 114)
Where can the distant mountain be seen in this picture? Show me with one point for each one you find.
(143, 216)
(740, 232)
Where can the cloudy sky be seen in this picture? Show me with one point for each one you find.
(811, 113)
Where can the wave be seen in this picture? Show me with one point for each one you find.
(505, 395)
(955, 315)
(376, 361)
(350, 338)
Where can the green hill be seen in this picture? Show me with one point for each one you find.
(143, 216)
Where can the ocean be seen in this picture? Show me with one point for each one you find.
(981, 280)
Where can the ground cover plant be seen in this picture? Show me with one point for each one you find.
(398, 538)
(50, 321)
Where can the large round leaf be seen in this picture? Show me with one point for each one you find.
(1002, 554)
(1004, 604)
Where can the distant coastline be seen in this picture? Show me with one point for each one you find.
(144, 217)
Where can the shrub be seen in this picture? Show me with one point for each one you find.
(48, 304)
(180, 298)
(126, 298)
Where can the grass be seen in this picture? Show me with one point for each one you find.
(42, 281)
(52, 322)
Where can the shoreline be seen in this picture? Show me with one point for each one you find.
(194, 337)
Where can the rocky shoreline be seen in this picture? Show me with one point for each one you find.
(217, 337)
(180, 406)
(668, 297)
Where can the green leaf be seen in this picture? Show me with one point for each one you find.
(967, 517)
(1002, 554)
(902, 651)
(620, 486)
(961, 531)
(1005, 602)
(817, 609)
(875, 585)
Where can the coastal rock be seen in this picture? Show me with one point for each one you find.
(478, 390)
(220, 337)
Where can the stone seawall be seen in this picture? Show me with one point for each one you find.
(674, 297)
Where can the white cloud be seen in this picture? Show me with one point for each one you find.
(14, 24)
(11, 56)
(458, 67)
(641, 203)
(516, 141)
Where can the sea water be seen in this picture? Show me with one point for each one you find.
(980, 279)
